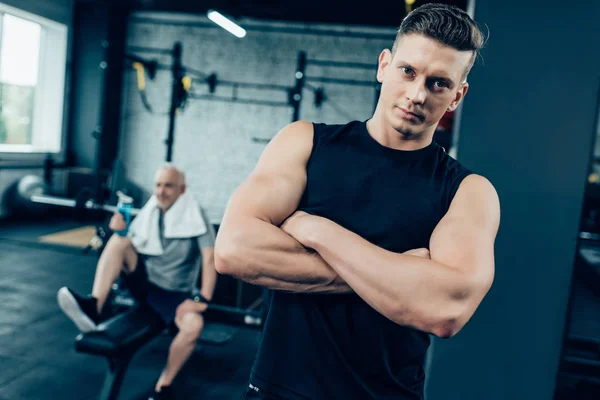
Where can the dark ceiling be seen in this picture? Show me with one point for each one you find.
(347, 12)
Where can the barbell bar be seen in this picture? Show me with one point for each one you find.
(79, 203)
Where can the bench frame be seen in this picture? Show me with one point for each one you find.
(118, 363)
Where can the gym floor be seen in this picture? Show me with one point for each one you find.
(37, 356)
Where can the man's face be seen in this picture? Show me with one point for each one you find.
(167, 188)
(422, 81)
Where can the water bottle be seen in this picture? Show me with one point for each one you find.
(124, 207)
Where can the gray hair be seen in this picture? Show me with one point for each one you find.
(170, 166)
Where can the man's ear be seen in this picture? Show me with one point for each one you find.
(460, 94)
(385, 59)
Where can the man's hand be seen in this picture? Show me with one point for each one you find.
(190, 306)
(117, 223)
(299, 225)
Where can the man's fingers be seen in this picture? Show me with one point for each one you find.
(117, 222)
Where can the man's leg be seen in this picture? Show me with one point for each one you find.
(84, 311)
(118, 254)
(190, 327)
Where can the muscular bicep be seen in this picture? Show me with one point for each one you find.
(464, 238)
(274, 189)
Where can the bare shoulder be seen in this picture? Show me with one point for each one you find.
(478, 183)
(292, 144)
(477, 197)
(299, 133)
(273, 190)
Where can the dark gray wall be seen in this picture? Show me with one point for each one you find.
(57, 10)
(527, 124)
(87, 85)
(100, 33)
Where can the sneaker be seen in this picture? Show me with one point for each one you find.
(166, 393)
(81, 310)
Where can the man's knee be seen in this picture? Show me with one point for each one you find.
(190, 326)
(118, 243)
(122, 246)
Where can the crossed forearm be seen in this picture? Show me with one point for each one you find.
(409, 289)
(262, 254)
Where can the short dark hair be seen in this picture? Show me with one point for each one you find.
(449, 25)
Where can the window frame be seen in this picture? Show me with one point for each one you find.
(36, 157)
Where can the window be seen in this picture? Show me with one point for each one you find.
(33, 56)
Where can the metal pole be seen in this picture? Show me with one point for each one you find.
(341, 64)
(76, 203)
(48, 170)
(352, 82)
(296, 95)
(177, 71)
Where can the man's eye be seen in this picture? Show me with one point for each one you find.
(407, 71)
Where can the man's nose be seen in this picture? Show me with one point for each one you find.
(417, 92)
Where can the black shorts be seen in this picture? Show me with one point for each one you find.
(164, 302)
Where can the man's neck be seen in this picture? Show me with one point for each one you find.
(387, 136)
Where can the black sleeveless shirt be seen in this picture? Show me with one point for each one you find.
(326, 347)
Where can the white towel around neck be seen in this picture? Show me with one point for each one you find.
(182, 220)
